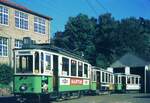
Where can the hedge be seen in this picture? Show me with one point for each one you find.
(6, 74)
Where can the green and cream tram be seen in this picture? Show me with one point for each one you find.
(127, 82)
(103, 80)
(45, 70)
(42, 71)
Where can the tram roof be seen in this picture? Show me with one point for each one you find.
(126, 74)
(100, 69)
(52, 48)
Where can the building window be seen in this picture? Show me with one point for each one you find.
(21, 20)
(18, 43)
(3, 15)
(39, 25)
(3, 46)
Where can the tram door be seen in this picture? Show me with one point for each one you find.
(98, 80)
(123, 79)
(55, 72)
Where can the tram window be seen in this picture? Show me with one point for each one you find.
(94, 76)
(36, 62)
(48, 62)
(119, 80)
(85, 70)
(24, 64)
(102, 76)
(136, 80)
(42, 62)
(109, 78)
(106, 75)
(116, 79)
(80, 69)
(132, 80)
(73, 67)
(128, 80)
(65, 66)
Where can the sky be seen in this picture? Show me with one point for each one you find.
(61, 10)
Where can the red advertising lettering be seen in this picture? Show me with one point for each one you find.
(74, 81)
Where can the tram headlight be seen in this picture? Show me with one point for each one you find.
(23, 87)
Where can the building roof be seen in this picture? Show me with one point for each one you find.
(22, 8)
(130, 60)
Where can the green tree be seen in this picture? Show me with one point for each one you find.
(105, 39)
(78, 36)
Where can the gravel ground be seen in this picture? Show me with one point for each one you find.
(114, 98)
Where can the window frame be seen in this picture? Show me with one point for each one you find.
(2, 45)
(80, 69)
(36, 56)
(103, 76)
(17, 41)
(50, 62)
(87, 75)
(25, 55)
(5, 14)
(19, 17)
(75, 64)
(65, 68)
(39, 25)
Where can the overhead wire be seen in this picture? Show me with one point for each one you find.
(101, 5)
(91, 6)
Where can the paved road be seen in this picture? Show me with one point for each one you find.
(114, 98)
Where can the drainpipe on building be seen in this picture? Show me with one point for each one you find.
(10, 51)
(49, 32)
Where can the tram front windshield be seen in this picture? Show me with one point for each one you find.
(24, 64)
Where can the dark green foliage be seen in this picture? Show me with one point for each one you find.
(105, 39)
(6, 74)
(78, 36)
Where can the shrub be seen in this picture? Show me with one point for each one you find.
(6, 74)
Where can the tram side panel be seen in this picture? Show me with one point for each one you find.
(73, 84)
(73, 75)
